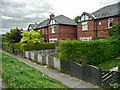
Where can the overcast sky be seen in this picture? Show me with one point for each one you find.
(21, 13)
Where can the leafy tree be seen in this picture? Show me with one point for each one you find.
(14, 36)
(76, 18)
(41, 33)
(31, 37)
(114, 32)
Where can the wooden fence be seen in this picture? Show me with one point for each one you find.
(91, 74)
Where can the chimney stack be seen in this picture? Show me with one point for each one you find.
(35, 23)
(52, 15)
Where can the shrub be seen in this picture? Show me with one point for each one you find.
(5, 46)
(43, 46)
(17, 46)
(92, 52)
(31, 37)
(119, 66)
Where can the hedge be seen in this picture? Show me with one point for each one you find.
(28, 47)
(6, 46)
(44, 46)
(91, 52)
(119, 66)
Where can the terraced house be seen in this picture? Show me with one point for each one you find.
(58, 28)
(91, 26)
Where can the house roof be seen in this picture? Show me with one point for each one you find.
(31, 25)
(61, 19)
(108, 11)
(42, 24)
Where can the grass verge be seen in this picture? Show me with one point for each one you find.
(56, 56)
(17, 74)
(107, 65)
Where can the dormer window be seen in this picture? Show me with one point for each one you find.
(52, 22)
(84, 17)
(110, 22)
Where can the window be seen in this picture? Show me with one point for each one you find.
(86, 39)
(53, 40)
(52, 22)
(53, 29)
(84, 26)
(110, 22)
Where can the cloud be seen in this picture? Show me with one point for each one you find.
(20, 13)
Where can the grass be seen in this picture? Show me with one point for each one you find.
(17, 74)
(107, 65)
(56, 56)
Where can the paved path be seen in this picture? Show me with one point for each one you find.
(69, 81)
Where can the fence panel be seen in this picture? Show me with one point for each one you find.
(76, 70)
(66, 66)
(110, 77)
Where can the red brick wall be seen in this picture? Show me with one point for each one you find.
(63, 32)
(91, 32)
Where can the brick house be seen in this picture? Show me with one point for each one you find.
(58, 28)
(91, 26)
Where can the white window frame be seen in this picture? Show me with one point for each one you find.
(110, 22)
(52, 22)
(84, 26)
(52, 40)
(52, 29)
(86, 39)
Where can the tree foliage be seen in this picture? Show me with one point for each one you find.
(76, 18)
(31, 37)
(114, 32)
(14, 36)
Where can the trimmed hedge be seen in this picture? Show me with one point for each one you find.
(28, 47)
(119, 66)
(92, 52)
(44, 46)
(6, 46)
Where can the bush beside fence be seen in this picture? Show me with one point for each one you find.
(92, 52)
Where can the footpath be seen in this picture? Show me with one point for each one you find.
(67, 80)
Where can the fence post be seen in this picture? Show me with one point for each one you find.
(100, 75)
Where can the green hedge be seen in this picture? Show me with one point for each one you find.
(5, 46)
(92, 52)
(28, 47)
(119, 66)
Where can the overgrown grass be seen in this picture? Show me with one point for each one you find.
(56, 56)
(107, 65)
(17, 74)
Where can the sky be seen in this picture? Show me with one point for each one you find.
(21, 13)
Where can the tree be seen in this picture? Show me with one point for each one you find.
(76, 18)
(114, 32)
(31, 37)
(14, 36)
(41, 33)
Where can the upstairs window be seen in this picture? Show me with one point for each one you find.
(84, 26)
(52, 22)
(110, 22)
(53, 29)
